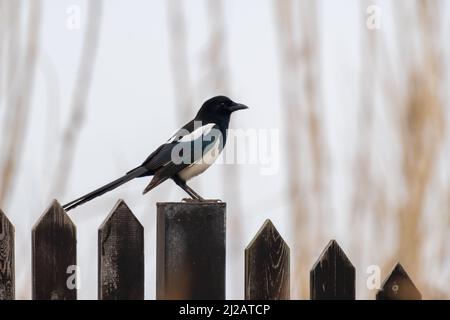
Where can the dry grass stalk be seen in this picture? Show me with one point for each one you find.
(219, 83)
(80, 95)
(365, 189)
(19, 98)
(300, 67)
(179, 61)
(421, 125)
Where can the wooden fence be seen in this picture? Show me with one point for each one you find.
(190, 259)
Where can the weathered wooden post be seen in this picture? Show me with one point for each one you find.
(267, 270)
(333, 275)
(7, 284)
(398, 286)
(121, 256)
(54, 256)
(190, 250)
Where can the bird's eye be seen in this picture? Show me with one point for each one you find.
(222, 104)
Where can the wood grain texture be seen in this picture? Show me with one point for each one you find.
(54, 253)
(398, 286)
(121, 256)
(267, 266)
(190, 251)
(333, 275)
(7, 284)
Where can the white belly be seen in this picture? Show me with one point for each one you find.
(201, 165)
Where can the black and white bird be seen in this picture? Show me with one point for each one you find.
(188, 153)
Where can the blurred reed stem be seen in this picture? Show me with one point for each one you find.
(78, 111)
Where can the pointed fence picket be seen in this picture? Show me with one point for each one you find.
(6, 258)
(267, 269)
(333, 275)
(398, 286)
(121, 256)
(54, 256)
(190, 259)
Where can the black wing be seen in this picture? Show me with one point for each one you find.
(186, 129)
(186, 152)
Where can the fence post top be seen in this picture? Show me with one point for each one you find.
(267, 228)
(4, 218)
(332, 245)
(3, 215)
(120, 209)
(398, 285)
(332, 248)
(397, 270)
(55, 210)
(268, 224)
(193, 203)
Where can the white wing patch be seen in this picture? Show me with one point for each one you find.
(202, 164)
(197, 133)
(181, 136)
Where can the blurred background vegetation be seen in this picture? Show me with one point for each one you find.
(358, 90)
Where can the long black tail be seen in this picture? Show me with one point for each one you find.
(139, 171)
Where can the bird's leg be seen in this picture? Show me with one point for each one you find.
(192, 193)
(182, 184)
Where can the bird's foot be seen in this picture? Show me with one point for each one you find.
(213, 200)
(191, 200)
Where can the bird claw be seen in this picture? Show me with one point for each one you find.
(213, 200)
(191, 200)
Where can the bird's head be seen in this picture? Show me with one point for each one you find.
(218, 107)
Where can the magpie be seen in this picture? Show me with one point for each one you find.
(188, 153)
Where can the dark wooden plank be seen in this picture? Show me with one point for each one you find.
(7, 283)
(398, 286)
(54, 255)
(267, 266)
(333, 275)
(190, 256)
(121, 256)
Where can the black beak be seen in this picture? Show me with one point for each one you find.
(237, 106)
